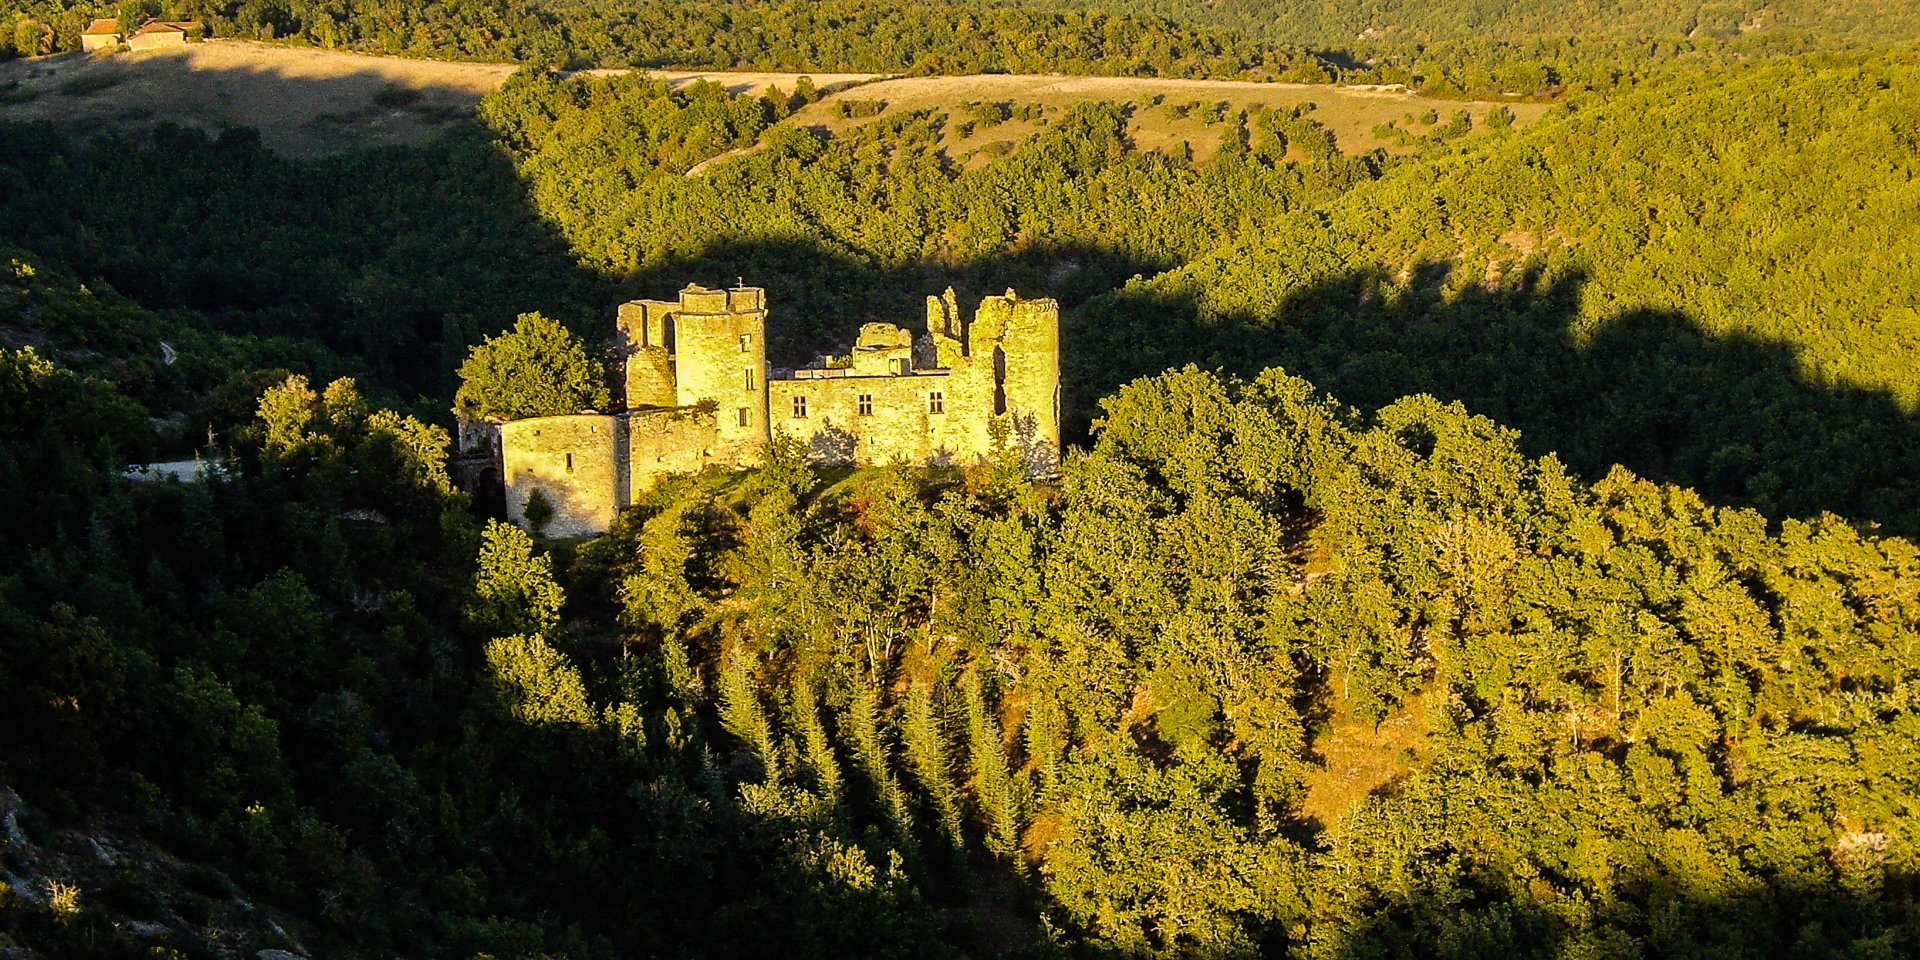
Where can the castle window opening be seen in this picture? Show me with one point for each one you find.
(799, 408)
(745, 419)
(569, 463)
(749, 379)
(866, 404)
(746, 344)
(999, 381)
(936, 402)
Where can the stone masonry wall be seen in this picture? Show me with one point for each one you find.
(1021, 339)
(665, 442)
(578, 461)
(901, 427)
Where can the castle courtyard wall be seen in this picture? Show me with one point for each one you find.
(661, 443)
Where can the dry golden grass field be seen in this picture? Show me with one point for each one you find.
(304, 101)
(1168, 111)
(308, 102)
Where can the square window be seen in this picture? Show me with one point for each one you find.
(800, 408)
(936, 403)
(866, 404)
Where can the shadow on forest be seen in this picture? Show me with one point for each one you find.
(755, 885)
(1734, 416)
(398, 255)
(404, 256)
(819, 296)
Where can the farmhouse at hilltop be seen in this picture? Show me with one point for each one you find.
(105, 35)
(696, 391)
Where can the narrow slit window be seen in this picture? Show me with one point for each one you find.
(866, 404)
(749, 378)
(569, 463)
(936, 402)
(799, 408)
(745, 420)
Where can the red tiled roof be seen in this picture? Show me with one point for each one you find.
(165, 26)
(103, 28)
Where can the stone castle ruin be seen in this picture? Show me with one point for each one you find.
(696, 392)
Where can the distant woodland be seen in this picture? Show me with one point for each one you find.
(1497, 546)
(1479, 49)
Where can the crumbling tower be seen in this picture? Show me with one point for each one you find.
(1008, 370)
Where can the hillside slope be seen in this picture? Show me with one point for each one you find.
(305, 101)
(309, 102)
(1602, 282)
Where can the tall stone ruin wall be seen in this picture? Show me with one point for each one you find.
(1022, 338)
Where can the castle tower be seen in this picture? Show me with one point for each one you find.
(1018, 341)
(718, 340)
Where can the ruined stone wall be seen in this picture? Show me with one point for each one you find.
(649, 380)
(900, 425)
(1018, 341)
(883, 350)
(476, 436)
(578, 461)
(946, 331)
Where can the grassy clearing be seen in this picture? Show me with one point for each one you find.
(1168, 113)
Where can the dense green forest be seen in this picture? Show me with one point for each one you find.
(868, 36)
(1604, 283)
(1779, 22)
(1589, 630)
(769, 715)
